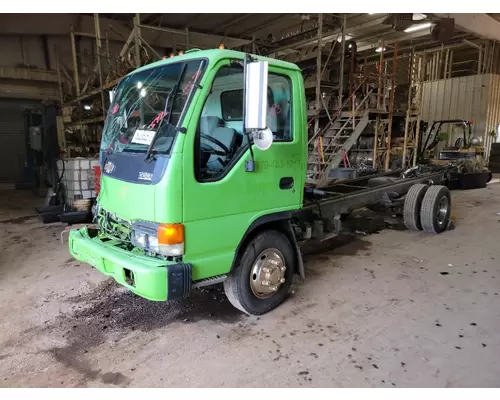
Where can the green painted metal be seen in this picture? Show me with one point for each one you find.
(216, 215)
(150, 273)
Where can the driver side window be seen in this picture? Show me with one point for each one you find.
(220, 140)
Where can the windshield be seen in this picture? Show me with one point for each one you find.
(148, 105)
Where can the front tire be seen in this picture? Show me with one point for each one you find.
(264, 272)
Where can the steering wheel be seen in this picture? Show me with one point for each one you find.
(210, 149)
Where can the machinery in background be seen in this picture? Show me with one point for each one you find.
(466, 146)
(33, 133)
(41, 174)
(41, 148)
(464, 160)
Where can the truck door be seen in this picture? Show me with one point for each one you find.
(221, 199)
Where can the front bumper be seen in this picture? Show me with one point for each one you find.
(148, 277)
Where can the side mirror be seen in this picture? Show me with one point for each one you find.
(256, 95)
(256, 74)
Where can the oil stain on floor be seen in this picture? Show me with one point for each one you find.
(110, 310)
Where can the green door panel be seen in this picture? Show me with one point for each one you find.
(217, 214)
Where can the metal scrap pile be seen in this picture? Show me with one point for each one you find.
(467, 166)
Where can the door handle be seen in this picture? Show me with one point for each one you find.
(286, 183)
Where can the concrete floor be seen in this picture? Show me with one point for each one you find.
(390, 309)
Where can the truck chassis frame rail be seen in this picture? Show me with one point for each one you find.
(346, 196)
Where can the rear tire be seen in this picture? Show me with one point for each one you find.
(436, 209)
(258, 283)
(412, 205)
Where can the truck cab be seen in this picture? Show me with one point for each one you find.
(203, 163)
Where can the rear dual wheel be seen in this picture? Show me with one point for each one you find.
(411, 209)
(436, 209)
(427, 208)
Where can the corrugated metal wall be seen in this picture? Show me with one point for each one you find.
(493, 113)
(457, 98)
(475, 97)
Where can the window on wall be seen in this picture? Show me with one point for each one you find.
(220, 140)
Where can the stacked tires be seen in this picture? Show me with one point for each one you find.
(494, 164)
(427, 208)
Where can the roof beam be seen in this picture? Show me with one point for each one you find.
(150, 18)
(195, 38)
(481, 25)
(59, 25)
(369, 44)
(266, 24)
(233, 21)
(418, 48)
(28, 74)
(331, 36)
(194, 19)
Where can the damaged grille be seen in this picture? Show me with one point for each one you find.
(111, 225)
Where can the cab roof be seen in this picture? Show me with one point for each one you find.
(214, 55)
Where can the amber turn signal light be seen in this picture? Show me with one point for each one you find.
(170, 234)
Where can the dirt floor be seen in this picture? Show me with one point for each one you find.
(393, 309)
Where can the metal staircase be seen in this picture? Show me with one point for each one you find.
(330, 146)
(413, 116)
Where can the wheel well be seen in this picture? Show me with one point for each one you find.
(281, 225)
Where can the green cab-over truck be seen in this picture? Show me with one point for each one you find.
(204, 162)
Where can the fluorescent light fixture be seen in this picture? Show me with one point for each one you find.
(87, 107)
(379, 49)
(418, 27)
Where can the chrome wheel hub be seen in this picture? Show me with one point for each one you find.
(268, 273)
(442, 210)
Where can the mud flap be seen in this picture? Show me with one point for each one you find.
(296, 249)
(179, 281)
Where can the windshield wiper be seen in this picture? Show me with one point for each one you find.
(173, 93)
(109, 150)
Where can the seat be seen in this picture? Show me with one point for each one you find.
(210, 126)
(208, 123)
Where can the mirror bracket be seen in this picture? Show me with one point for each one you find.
(250, 166)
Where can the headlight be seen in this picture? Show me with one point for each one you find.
(164, 239)
(153, 243)
(139, 239)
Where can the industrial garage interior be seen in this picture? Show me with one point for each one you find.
(313, 202)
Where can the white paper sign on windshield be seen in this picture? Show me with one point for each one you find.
(142, 136)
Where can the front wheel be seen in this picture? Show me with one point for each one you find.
(263, 275)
